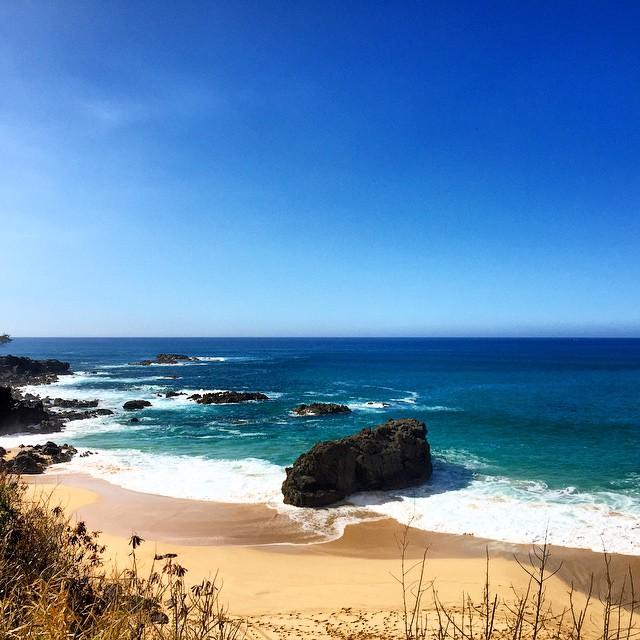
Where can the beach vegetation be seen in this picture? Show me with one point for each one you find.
(603, 608)
(54, 585)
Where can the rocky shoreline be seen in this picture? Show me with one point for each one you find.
(35, 459)
(17, 371)
(25, 413)
(392, 455)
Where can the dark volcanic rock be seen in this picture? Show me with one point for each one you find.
(18, 371)
(172, 358)
(27, 461)
(58, 453)
(173, 394)
(134, 405)
(227, 397)
(31, 460)
(71, 409)
(134, 420)
(166, 358)
(73, 404)
(24, 416)
(391, 456)
(320, 409)
(83, 415)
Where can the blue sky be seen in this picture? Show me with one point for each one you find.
(320, 168)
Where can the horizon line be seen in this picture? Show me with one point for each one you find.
(338, 337)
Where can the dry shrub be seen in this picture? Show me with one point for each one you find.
(53, 585)
(605, 612)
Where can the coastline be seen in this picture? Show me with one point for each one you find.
(237, 453)
(271, 567)
(289, 571)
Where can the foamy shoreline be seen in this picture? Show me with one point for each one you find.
(460, 498)
(327, 524)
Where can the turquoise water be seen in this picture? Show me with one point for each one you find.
(547, 429)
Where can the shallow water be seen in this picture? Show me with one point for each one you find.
(528, 435)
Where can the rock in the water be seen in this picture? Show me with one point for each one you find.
(166, 358)
(134, 420)
(393, 455)
(172, 358)
(82, 415)
(134, 405)
(320, 409)
(24, 416)
(228, 397)
(63, 403)
(173, 394)
(19, 371)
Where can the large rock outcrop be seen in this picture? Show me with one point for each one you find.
(228, 397)
(18, 371)
(393, 455)
(25, 416)
(320, 409)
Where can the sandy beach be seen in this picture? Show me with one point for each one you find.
(286, 582)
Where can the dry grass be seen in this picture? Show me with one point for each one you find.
(606, 611)
(53, 586)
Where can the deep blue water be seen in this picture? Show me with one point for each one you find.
(542, 420)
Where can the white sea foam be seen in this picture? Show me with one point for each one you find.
(455, 501)
(182, 363)
(369, 405)
(458, 499)
(228, 358)
(410, 398)
(76, 429)
(249, 480)
(487, 508)
(117, 380)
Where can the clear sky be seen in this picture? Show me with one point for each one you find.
(319, 168)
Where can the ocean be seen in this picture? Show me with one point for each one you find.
(530, 437)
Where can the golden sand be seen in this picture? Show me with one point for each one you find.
(286, 582)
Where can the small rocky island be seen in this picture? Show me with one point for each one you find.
(393, 455)
(320, 409)
(228, 397)
(166, 358)
(135, 405)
